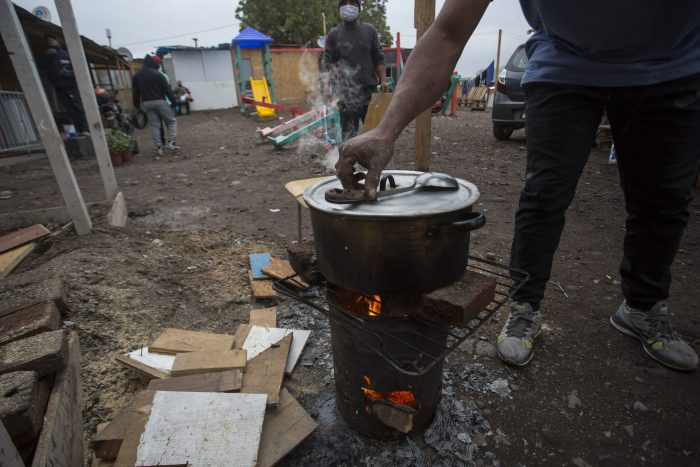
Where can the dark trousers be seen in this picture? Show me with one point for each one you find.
(656, 130)
(70, 101)
(350, 120)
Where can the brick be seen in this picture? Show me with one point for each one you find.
(31, 287)
(28, 322)
(20, 410)
(44, 353)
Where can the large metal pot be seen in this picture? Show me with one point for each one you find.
(414, 242)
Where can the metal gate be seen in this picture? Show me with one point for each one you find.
(17, 130)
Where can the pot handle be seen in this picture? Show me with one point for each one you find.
(474, 220)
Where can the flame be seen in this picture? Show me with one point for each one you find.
(406, 397)
(373, 304)
(367, 305)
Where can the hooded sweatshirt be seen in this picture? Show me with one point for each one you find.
(149, 84)
(57, 64)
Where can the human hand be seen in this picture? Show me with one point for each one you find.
(384, 87)
(373, 150)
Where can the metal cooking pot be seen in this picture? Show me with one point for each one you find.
(414, 242)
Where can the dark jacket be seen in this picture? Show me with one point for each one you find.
(56, 62)
(149, 84)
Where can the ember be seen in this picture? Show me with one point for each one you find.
(406, 398)
(365, 305)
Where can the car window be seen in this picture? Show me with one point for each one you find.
(518, 61)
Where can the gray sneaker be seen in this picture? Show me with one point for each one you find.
(172, 146)
(159, 151)
(658, 339)
(516, 340)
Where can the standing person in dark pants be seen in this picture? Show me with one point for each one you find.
(151, 86)
(640, 61)
(353, 56)
(56, 62)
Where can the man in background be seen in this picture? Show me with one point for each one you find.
(182, 98)
(353, 57)
(150, 86)
(56, 63)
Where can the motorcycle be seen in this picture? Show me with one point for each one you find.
(114, 117)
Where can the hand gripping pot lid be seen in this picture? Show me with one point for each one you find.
(410, 204)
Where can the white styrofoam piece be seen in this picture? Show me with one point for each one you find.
(158, 361)
(203, 429)
(261, 338)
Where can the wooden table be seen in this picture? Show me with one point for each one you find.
(296, 188)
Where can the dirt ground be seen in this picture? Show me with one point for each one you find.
(590, 397)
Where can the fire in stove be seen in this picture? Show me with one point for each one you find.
(360, 304)
(395, 409)
(406, 398)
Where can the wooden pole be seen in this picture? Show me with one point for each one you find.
(399, 58)
(498, 56)
(25, 68)
(423, 17)
(87, 96)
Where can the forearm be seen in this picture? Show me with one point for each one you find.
(381, 73)
(431, 63)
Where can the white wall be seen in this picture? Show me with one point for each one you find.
(209, 76)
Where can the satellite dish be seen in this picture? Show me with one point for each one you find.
(42, 13)
(126, 53)
(321, 41)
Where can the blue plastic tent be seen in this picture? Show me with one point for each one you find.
(249, 38)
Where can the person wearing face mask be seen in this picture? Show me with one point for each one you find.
(353, 64)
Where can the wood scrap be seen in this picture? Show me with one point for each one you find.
(265, 372)
(261, 288)
(265, 317)
(142, 368)
(222, 381)
(21, 411)
(44, 353)
(191, 363)
(195, 429)
(22, 236)
(11, 258)
(302, 258)
(281, 269)
(131, 435)
(172, 341)
(108, 441)
(375, 111)
(257, 262)
(28, 322)
(285, 427)
(241, 335)
(261, 338)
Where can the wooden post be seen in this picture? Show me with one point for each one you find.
(399, 58)
(25, 68)
(498, 56)
(423, 17)
(87, 96)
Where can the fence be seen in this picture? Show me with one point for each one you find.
(17, 130)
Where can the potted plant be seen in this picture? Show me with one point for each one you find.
(118, 144)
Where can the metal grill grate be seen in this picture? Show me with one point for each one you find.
(508, 280)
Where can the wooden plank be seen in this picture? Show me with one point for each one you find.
(265, 317)
(423, 17)
(285, 427)
(20, 409)
(377, 106)
(223, 381)
(261, 288)
(192, 363)
(29, 321)
(131, 436)
(11, 259)
(108, 441)
(25, 68)
(297, 187)
(261, 338)
(241, 335)
(144, 369)
(22, 236)
(202, 429)
(28, 288)
(257, 262)
(61, 438)
(118, 215)
(45, 353)
(173, 341)
(280, 269)
(265, 372)
(9, 457)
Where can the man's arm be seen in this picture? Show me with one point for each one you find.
(381, 74)
(428, 69)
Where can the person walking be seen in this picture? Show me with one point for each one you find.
(150, 87)
(585, 58)
(56, 63)
(353, 65)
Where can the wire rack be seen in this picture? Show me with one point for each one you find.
(441, 339)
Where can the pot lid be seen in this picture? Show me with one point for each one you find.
(409, 204)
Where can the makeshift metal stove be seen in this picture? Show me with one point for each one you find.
(389, 348)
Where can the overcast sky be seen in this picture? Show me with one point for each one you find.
(143, 25)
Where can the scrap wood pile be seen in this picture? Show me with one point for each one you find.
(39, 363)
(264, 268)
(212, 399)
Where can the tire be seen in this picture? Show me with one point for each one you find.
(502, 132)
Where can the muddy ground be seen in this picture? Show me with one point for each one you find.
(590, 397)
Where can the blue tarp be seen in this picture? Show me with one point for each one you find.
(489, 74)
(249, 38)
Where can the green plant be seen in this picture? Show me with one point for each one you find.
(117, 141)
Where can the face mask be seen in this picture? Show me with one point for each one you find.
(349, 13)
